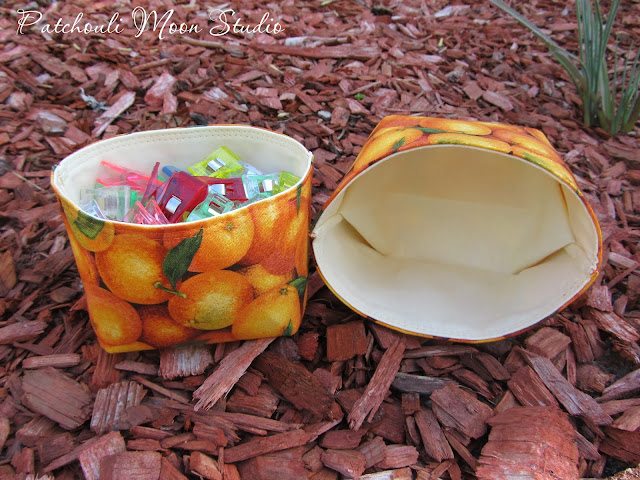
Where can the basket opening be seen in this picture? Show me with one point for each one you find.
(180, 147)
(457, 242)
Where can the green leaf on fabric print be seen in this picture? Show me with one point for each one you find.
(429, 130)
(300, 285)
(298, 198)
(289, 330)
(178, 259)
(398, 144)
(89, 226)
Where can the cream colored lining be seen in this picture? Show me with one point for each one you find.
(457, 242)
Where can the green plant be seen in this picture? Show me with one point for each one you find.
(597, 88)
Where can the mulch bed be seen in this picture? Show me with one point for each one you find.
(561, 400)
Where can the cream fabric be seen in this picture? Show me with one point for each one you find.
(457, 242)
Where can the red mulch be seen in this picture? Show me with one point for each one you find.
(336, 70)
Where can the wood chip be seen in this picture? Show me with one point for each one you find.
(169, 472)
(377, 388)
(35, 430)
(184, 360)
(456, 408)
(55, 446)
(528, 441)
(547, 342)
(272, 443)
(529, 388)
(485, 365)
(629, 420)
(622, 444)
(498, 100)
(111, 403)
(52, 394)
(137, 367)
(575, 401)
(398, 456)
(433, 439)
(61, 360)
(439, 351)
(340, 51)
(373, 451)
(132, 465)
(296, 384)
(271, 466)
(211, 433)
(21, 331)
(206, 466)
(91, 456)
(421, 384)
(616, 326)
(628, 384)
(118, 108)
(396, 474)
(349, 463)
(342, 439)
(5, 429)
(345, 341)
(228, 372)
(591, 379)
(263, 403)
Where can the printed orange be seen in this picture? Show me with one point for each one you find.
(539, 135)
(93, 234)
(263, 281)
(455, 126)
(129, 347)
(224, 242)
(268, 218)
(501, 126)
(141, 258)
(211, 300)
(302, 256)
(275, 313)
(115, 321)
(377, 147)
(84, 259)
(282, 258)
(528, 142)
(216, 336)
(470, 140)
(395, 121)
(553, 166)
(159, 329)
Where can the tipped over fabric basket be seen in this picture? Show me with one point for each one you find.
(464, 230)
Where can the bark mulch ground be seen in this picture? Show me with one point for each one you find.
(562, 399)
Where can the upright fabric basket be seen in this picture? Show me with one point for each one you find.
(230, 277)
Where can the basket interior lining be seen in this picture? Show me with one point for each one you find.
(268, 151)
(456, 242)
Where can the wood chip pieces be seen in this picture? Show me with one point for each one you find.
(529, 442)
(112, 402)
(456, 408)
(51, 393)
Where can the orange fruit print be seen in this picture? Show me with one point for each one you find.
(274, 313)
(211, 300)
(224, 243)
(115, 321)
(131, 266)
(159, 329)
(399, 133)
